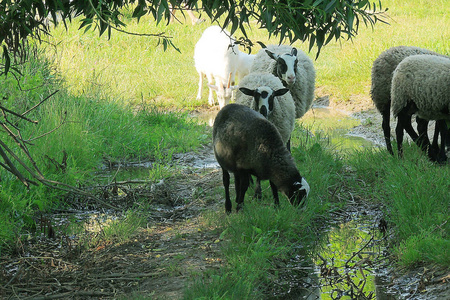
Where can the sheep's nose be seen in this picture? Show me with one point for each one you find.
(291, 78)
(263, 111)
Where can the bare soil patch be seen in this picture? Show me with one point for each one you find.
(174, 244)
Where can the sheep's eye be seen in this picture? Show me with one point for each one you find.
(282, 66)
(264, 94)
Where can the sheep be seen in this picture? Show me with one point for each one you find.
(380, 91)
(216, 57)
(276, 104)
(244, 64)
(421, 85)
(294, 68)
(265, 93)
(246, 144)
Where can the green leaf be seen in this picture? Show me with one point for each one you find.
(7, 59)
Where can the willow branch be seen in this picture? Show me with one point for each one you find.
(13, 168)
(158, 35)
(21, 146)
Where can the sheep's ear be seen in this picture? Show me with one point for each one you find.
(247, 91)
(303, 186)
(280, 92)
(272, 55)
(294, 52)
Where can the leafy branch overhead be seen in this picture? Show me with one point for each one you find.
(314, 21)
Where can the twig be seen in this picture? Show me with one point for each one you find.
(17, 115)
(13, 168)
(127, 276)
(159, 35)
(72, 294)
(42, 101)
(47, 133)
(357, 252)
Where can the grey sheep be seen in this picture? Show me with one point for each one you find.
(421, 85)
(265, 93)
(294, 68)
(246, 144)
(382, 70)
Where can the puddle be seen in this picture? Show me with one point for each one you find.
(347, 265)
(335, 125)
(351, 264)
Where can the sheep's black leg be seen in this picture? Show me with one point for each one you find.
(288, 145)
(399, 133)
(409, 129)
(422, 127)
(242, 181)
(387, 129)
(433, 150)
(226, 184)
(275, 194)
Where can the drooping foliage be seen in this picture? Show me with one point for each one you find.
(316, 21)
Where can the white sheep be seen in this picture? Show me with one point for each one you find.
(382, 70)
(265, 93)
(246, 144)
(294, 68)
(244, 64)
(421, 85)
(216, 57)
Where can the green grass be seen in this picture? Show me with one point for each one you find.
(415, 194)
(96, 129)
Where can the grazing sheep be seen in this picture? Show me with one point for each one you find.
(216, 57)
(265, 93)
(421, 85)
(382, 70)
(246, 144)
(294, 68)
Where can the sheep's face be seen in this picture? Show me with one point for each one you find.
(286, 65)
(264, 98)
(224, 92)
(298, 192)
(224, 95)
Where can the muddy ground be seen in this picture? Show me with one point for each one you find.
(174, 244)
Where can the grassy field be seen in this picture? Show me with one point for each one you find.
(127, 100)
